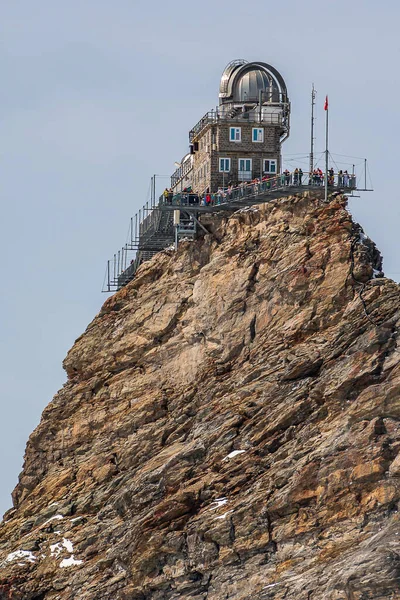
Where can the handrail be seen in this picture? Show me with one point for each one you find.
(149, 219)
(237, 114)
(226, 195)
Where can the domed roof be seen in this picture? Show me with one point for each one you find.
(242, 82)
(249, 84)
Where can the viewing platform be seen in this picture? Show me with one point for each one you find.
(258, 192)
(160, 225)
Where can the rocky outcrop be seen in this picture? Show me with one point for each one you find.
(229, 427)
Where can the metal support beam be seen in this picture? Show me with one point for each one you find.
(199, 224)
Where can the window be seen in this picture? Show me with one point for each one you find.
(244, 170)
(258, 134)
(244, 164)
(235, 134)
(224, 165)
(270, 166)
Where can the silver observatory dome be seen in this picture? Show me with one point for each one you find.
(242, 82)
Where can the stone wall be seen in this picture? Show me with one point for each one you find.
(202, 162)
(206, 159)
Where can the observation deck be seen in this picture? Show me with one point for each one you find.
(154, 229)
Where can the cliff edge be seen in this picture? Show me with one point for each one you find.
(229, 427)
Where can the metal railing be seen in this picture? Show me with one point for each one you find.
(152, 229)
(148, 234)
(246, 191)
(237, 114)
(181, 171)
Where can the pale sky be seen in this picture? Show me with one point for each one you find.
(97, 96)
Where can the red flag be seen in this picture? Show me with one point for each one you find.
(326, 103)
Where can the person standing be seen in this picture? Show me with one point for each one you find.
(296, 176)
(300, 176)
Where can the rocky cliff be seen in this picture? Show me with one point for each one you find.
(229, 427)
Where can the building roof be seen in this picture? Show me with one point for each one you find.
(242, 82)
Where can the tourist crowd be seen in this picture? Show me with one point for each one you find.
(316, 178)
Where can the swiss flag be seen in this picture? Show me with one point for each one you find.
(326, 103)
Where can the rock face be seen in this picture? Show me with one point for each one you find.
(229, 427)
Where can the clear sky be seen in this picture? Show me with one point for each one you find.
(96, 96)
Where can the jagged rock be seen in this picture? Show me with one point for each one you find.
(229, 427)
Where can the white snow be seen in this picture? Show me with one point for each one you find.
(55, 549)
(76, 519)
(363, 237)
(21, 554)
(233, 454)
(218, 502)
(376, 274)
(68, 545)
(55, 518)
(248, 209)
(270, 585)
(224, 515)
(69, 562)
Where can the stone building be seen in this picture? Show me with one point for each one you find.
(241, 139)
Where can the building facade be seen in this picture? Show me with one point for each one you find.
(241, 139)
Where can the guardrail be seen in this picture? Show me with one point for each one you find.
(342, 182)
(266, 117)
(148, 231)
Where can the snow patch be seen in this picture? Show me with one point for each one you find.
(270, 586)
(248, 209)
(55, 518)
(224, 515)
(21, 554)
(233, 454)
(69, 562)
(55, 549)
(68, 545)
(218, 502)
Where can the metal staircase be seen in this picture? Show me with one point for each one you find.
(151, 231)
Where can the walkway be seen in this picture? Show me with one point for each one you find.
(154, 228)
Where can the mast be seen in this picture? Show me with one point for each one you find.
(326, 149)
(313, 93)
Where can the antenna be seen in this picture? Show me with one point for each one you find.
(313, 94)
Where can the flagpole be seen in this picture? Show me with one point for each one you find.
(326, 151)
(312, 133)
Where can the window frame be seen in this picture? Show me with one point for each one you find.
(245, 170)
(268, 171)
(259, 130)
(224, 158)
(237, 130)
